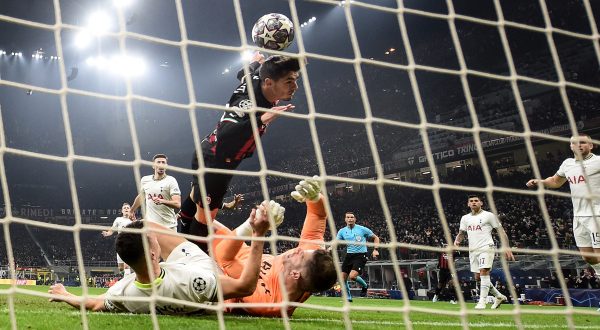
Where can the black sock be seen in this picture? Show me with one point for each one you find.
(188, 211)
(199, 229)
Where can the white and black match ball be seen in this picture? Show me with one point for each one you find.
(273, 31)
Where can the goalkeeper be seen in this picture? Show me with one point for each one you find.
(303, 270)
(188, 274)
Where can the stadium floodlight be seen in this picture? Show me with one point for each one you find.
(312, 19)
(99, 22)
(91, 61)
(247, 55)
(19, 54)
(83, 39)
(127, 65)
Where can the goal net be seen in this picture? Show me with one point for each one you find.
(404, 109)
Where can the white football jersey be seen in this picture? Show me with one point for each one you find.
(119, 223)
(189, 275)
(571, 170)
(479, 229)
(163, 188)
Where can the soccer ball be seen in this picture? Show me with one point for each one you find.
(273, 31)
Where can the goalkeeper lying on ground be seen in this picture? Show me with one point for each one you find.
(188, 274)
(303, 270)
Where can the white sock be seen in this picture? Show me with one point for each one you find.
(245, 229)
(485, 288)
(126, 271)
(494, 291)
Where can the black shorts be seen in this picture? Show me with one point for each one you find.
(354, 261)
(216, 189)
(444, 276)
(216, 184)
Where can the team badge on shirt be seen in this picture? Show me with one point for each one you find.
(199, 284)
(245, 104)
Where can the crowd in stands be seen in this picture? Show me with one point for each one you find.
(414, 219)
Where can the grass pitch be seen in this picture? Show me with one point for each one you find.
(33, 312)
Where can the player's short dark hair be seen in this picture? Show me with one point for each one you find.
(277, 67)
(350, 212)
(474, 196)
(321, 272)
(159, 156)
(130, 246)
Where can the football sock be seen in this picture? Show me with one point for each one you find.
(361, 281)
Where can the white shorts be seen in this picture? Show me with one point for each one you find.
(587, 231)
(189, 253)
(119, 260)
(481, 259)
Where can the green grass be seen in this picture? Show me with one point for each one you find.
(37, 313)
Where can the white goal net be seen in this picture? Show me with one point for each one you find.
(404, 109)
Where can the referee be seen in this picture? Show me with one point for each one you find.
(356, 256)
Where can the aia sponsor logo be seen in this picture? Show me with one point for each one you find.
(576, 179)
(474, 228)
(150, 196)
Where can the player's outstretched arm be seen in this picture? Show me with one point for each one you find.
(135, 205)
(237, 200)
(268, 117)
(62, 295)
(553, 182)
(246, 283)
(255, 63)
(309, 192)
(309, 189)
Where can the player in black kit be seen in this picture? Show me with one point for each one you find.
(232, 141)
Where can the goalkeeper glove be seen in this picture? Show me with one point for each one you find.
(277, 212)
(307, 189)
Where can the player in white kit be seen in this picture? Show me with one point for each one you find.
(583, 174)
(161, 194)
(117, 225)
(188, 274)
(478, 226)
